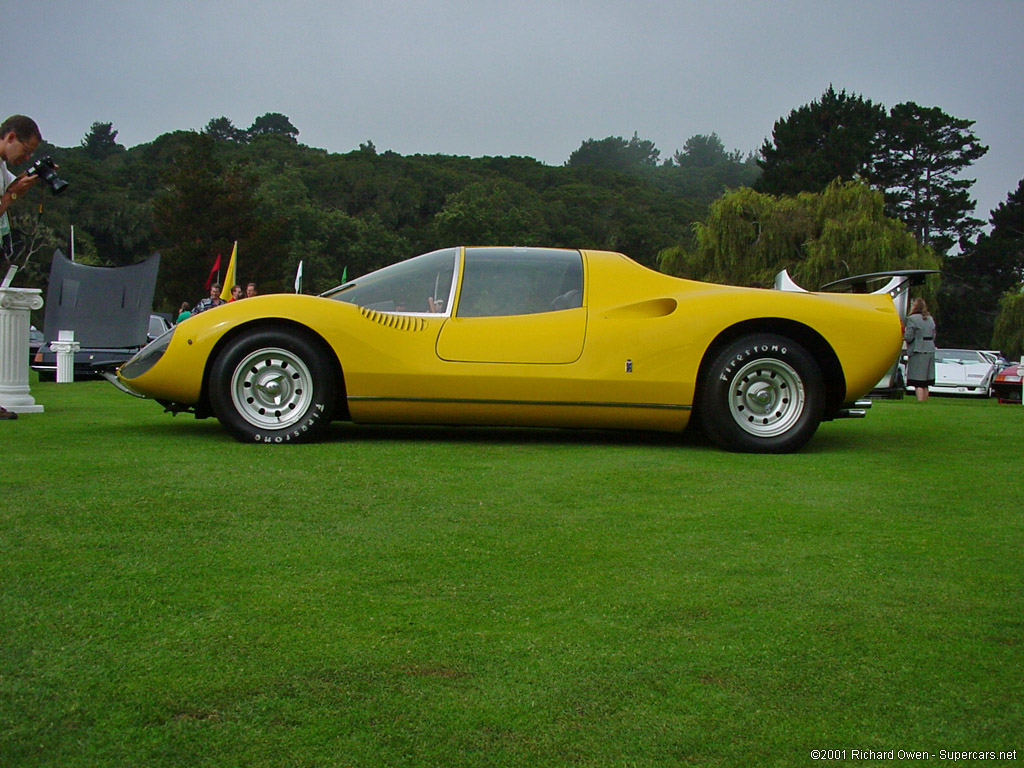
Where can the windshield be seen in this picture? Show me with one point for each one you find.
(421, 285)
(958, 356)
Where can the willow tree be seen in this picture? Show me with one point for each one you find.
(1008, 334)
(749, 236)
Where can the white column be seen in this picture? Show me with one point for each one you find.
(65, 347)
(15, 306)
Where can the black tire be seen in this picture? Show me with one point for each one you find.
(762, 394)
(900, 388)
(272, 386)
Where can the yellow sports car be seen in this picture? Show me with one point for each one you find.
(530, 337)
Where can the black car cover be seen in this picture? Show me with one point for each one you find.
(104, 306)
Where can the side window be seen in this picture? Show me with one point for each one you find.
(508, 281)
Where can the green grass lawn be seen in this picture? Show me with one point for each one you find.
(442, 597)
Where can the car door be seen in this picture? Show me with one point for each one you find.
(519, 306)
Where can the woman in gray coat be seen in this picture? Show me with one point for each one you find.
(920, 338)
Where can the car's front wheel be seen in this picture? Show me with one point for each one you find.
(762, 393)
(269, 386)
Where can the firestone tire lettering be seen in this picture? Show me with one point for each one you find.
(297, 436)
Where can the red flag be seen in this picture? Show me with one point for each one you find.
(216, 268)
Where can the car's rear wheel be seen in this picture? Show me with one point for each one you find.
(900, 387)
(762, 393)
(269, 386)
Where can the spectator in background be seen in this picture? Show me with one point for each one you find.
(213, 300)
(250, 290)
(920, 338)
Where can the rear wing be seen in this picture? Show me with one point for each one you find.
(896, 283)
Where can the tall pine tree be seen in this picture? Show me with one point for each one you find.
(827, 139)
(921, 152)
(101, 141)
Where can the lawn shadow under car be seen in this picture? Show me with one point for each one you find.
(346, 432)
(828, 439)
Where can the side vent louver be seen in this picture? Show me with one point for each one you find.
(398, 322)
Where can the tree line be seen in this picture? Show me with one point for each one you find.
(842, 185)
(191, 194)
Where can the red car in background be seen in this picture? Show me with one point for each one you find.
(1007, 383)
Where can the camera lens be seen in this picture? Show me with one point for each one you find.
(44, 169)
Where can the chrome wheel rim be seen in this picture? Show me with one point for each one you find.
(767, 397)
(271, 388)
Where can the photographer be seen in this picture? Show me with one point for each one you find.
(19, 137)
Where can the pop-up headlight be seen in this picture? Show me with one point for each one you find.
(147, 357)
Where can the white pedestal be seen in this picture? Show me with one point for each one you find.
(65, 348)
(15, 305)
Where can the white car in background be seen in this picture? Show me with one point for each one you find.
(963, 372)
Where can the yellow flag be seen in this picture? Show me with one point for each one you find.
(229, 280)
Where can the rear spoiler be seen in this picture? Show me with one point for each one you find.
(897, 285)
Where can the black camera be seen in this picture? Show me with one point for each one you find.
(46, 170)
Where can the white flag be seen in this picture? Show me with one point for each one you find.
(298, 278)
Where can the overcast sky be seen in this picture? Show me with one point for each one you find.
(529, 77)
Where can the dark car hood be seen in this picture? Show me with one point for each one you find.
(105, 306)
